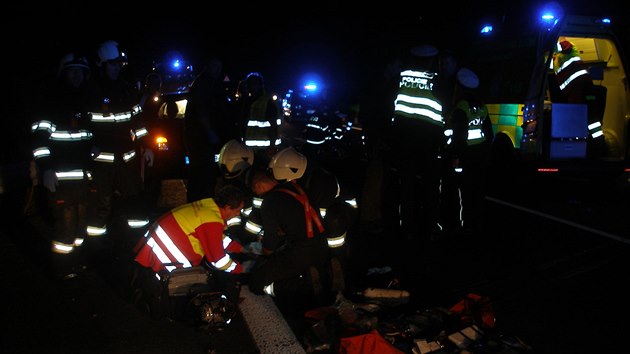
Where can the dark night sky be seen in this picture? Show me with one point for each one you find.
(339, 42)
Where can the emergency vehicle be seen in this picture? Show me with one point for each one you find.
(531, 124)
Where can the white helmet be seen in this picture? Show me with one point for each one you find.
(234, 158)
(110, 51)
(72, 60)
(288, 164)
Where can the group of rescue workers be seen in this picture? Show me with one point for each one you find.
(88, 153)
(266, 214)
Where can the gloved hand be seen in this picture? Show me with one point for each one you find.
(253, 248)
(50, 180)
(149, 156)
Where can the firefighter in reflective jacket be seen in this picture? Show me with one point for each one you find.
(262, 120)
(118, 142)
(294, 240)
(469, 136)
(187, 234)
(576, 86)
(61, 151)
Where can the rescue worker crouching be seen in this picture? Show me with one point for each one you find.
(300, 256)
(294, 247)
(193, 235)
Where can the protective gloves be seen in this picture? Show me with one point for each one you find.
(149, 156)
(50, 180)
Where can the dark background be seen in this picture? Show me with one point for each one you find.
(346, 45)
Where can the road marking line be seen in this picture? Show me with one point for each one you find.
(563, 221)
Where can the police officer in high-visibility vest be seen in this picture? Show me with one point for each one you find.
(417, 137)
(469, 137)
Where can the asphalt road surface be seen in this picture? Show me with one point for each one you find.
(556, 279)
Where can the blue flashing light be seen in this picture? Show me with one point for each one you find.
(606, 21)
(550, 15)
(176, 64)
(310, 87)
(311, 83)
(486, 29)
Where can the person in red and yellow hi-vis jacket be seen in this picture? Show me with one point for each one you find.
(187, 234)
